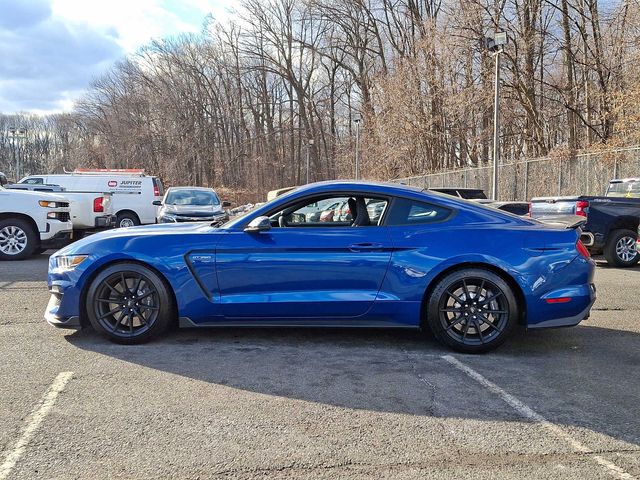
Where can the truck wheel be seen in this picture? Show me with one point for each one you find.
(620, 250)
(127, 219)
(18, 240)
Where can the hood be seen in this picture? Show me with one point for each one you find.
(191, 210)
(92, 242)
(41, 195)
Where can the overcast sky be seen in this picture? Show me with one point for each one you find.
(51, 49)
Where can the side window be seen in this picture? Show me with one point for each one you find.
(413, 212)
(332, 212)
(33, 181)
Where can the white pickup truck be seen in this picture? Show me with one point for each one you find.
(31, 222)
(90, 211)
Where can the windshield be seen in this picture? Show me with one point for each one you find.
(192, 197)
(624, 189)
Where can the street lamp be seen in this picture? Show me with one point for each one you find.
(20, 134)
(357, 119)
(309, 145)
(495, 45)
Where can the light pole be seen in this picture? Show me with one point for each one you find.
(16, 133)
(357, 119)
(309, 145)
(496, 45)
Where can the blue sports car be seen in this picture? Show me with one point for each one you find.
(403, 258)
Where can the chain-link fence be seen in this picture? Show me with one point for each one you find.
(586, 174)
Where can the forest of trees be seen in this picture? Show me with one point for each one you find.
(235, 106)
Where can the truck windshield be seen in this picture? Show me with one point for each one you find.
(624, 189)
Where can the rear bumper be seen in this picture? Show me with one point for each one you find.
(107, 221)
(572, 320)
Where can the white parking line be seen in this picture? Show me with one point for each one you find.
(35, 419)
(530, 414)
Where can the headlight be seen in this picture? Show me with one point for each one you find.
(47, 203)
(168, 218)
(69, 262)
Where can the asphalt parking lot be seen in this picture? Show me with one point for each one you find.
(317, 403)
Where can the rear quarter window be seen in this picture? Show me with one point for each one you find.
(412, 212)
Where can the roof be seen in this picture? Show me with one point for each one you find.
(625, 180)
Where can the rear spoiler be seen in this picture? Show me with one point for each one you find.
(567, 221)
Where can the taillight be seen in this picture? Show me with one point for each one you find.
(156, 191)
(582, 250)
(98, 205)
(530, 210)
(582, 208)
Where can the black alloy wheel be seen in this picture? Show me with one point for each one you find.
(129, 303)
(472, 310)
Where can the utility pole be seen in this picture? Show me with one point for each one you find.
(16, 134)
(495, 46)
(357, 121)
(309, 145)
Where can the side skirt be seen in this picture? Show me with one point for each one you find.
(186, 322)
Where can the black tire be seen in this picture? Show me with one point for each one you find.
(127, 219)
(620, 249)
(472, 310)
(18, 239)
(134, 314)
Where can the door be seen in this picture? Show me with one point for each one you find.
(303, 269)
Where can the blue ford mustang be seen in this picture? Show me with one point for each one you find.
(332, 254)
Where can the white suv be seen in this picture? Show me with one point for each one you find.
(31, 222)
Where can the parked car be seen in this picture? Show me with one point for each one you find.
(478, 195)
(276, 193)
(517, 208)
(89, 212)
(31, 222)
(191, 204)
(133, 192)
(413, 268)
(612, 219)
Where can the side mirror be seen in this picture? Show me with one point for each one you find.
(157, 203)
(3, 179)
(258, 224)
(226, 204)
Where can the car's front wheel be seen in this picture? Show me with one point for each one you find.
(129, 303)
(472, 310)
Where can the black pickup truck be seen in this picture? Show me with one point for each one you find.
(612, 219)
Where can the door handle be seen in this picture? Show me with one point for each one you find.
(365, 247)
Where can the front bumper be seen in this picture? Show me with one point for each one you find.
(52, 316)
(59, 240)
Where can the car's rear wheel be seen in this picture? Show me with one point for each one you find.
(127, 219)
(18, 239)
(129, 303)
(620, 250)
(472, 310)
